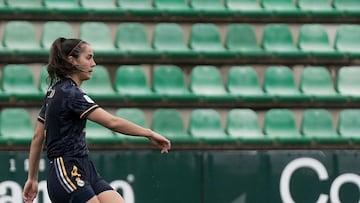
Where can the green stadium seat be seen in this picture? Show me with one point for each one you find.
(243, 125)
(241, 39)
(132, 38)
(316, 82)
(347, 39)
(43, 82)
(16, 126)
(174, 7)
(131, 82)
(169, 38)
(317, 125)
(348, 7)
(205, 39)
(99, 86)
(137, 7)
(319, 8)
(169, 82)
(173, 129)
(206, 82)
(26, 6)
(103, 7)
(314, 40)
(18, 81)
(243, 81)
(53, 30)
(279, 81)
(209, 7)
(348, 125)
(134, 115)
(205, 126)
(246, 8)
(24, 42)
(98, 35)
(280, 126)
(98, 134)
(5, 9)
(71, 7)
(282, 7)
(347, 81)
(277, 39)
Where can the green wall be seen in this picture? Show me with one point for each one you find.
(215, 176)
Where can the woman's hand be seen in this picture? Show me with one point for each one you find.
(30, 191)
(160, 142)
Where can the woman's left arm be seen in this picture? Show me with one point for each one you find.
(124, 126)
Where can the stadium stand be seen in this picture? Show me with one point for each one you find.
(239, 64)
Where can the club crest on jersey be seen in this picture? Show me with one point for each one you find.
(74, 173)
(88, 99)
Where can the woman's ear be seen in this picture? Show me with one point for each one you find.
(71, 60)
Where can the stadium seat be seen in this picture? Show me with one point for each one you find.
(205, 39)
(103, 7)
(70, 7)
(173, 129)
(282, 7)
(316, 82)
(132, 39)
(319, 8)
(209, 7)
(347, 81)
(206, 82)
(137, 7)
(347, 39)
(243, 125)
(131, 82)
(98, 134)
(314, 40)
(243, 81)
(348, 125)
(24, 42)
(174, 7)
(279, 81)
(280, 126)
(348, 7)
(134, 115)
(16, 126)
(98, 35)
(169, 82)
(43, 82)
(246, 8)
(278, 40)
(205, 126)
(25, 6)
(241, 39)
(18, 81)
(317, 125)
(53, 30)
(99, 87)
(169, 39)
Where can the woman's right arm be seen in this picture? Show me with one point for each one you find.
(31, 185)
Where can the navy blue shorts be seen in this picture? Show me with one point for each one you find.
(74, 180)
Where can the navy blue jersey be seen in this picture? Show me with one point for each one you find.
(64, 113)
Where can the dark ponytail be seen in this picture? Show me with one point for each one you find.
(59, 66)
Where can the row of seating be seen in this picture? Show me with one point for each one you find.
(168, 82)
(205, 125)
(185, 8)
(204, 40)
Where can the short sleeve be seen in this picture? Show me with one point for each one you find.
(81, 104)
(41, 116)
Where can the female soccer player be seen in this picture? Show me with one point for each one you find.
(62, 118)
